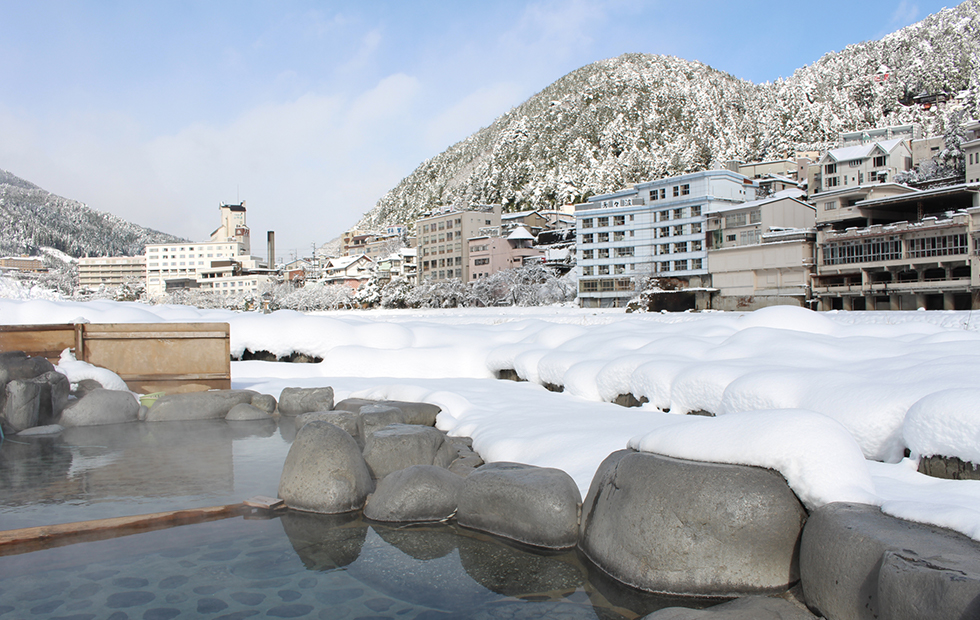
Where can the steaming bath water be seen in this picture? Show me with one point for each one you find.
(293, 565)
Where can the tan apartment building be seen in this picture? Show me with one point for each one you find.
(971, 151)
(860, 164)
(443, 251)
(110, 270)
(22, 263)
(761, 253)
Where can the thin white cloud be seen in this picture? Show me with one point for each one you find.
(555, 27)
(904, 14)
(475, 110)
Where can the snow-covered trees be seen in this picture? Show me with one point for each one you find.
(640, 117)
(31, 218)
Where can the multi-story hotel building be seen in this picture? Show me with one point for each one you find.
(443, 253)
(222, 264)
(655, 228)
(110, 270)
(900, 251)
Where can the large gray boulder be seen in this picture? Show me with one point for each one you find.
(534, 505)
(415, 413)
(912, 587)
(669, 525)
(353, 423)
(858, 563)
(265, 402)
(17, 365)
(398, 446)
(246, 412)
(55, 389)
(85, 386)
(379, 416)
(746, 608)
(294, 401)
(101, 407)
(210, 405)
(417, 493)
(21, 403)
(324, 471)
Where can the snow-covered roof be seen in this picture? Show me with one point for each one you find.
(862, 151)
(343, 262)
(790, 193)
(520, 234)
(516, 214)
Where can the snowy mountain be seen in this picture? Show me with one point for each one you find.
(31, 217)
(640, 117)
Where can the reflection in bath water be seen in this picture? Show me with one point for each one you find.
(296, 565)
(312, 566)
(128, 469)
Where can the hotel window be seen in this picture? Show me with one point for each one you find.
(696, 211)
(587, 238)
(695, 246)
(678, 231)
(603, 252)
(587, 270)
(618, 236)
(680, 265)
(653, 194)
(587, 223)
(695, 228)
(587, 254)
(678, 214)
(602, 221)
(603, 270)
(737, 219)
(663, 193)
(624, 251)
(680, 248)
(696, 263)
(619, 220)
(663, 231)
(602, 238)
(677, 191)
(619, 269)
(686, 189)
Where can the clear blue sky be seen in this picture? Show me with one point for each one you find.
(311, 111)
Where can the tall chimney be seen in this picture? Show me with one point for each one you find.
(271, 236)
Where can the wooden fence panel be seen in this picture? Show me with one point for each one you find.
(149, 357)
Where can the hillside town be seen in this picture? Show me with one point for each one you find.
(887, 220)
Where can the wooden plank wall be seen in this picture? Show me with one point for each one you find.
(149, 357)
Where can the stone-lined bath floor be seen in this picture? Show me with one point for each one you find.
(310, 566)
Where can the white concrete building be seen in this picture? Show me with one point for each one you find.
(222, 264)
(655, 228)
